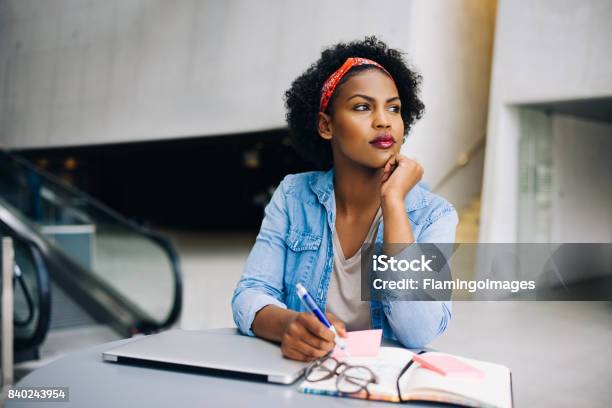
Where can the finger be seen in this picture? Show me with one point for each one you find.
(330, 316)
(301, 333)
(406, 161)
(418, 169)
(392, 162)
(293, 354)
(389, 167)
(316, 328)
(312, 352)
(401, 158)
(337, 323)
(340, 328)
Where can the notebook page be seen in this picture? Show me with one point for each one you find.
(492, 390)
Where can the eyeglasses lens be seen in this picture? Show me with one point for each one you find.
(354, 379)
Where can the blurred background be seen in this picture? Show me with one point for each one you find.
(141, 139)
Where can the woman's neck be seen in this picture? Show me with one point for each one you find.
(357, 188)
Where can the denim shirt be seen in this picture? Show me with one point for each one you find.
(294, 245)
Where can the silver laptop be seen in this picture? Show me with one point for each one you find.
(217, 351)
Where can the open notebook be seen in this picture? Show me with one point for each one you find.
(422, 384)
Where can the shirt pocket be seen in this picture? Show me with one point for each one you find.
(299, 241)
(302, 254)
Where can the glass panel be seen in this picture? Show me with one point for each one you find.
(112, 248)
(535, 180)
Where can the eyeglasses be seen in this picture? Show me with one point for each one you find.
(351, 379)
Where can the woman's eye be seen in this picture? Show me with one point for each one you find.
(363, 107)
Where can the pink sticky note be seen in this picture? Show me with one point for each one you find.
(447, 365)
(363, 343)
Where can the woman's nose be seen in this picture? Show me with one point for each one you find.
(381, 120)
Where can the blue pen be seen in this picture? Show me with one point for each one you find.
(312, 306)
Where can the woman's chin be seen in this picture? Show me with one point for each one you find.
(376, 163)
(379, 160)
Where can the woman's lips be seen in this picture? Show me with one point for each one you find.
(383, 142)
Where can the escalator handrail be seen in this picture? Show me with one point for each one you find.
(159, 239)
(104, 303)
(44, 295)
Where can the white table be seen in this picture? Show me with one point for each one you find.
(94, 383)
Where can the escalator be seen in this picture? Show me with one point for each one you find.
(76, 260)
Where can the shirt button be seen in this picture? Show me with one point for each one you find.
(376, 313)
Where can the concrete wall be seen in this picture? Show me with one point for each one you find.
(77, 72)
(548, 50)
(110, 71)
(452, 45)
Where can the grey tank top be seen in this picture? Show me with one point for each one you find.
(344, 293)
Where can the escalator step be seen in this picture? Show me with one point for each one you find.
(65, 312)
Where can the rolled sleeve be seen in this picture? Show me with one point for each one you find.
(443, 229)
(247, 304)
(416, 323)
(261, 283)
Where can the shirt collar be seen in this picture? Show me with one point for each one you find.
(322, 184)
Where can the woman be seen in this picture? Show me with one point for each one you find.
(349, 112)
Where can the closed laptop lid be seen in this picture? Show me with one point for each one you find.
(230, 352)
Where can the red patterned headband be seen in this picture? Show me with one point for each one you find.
(332, 81)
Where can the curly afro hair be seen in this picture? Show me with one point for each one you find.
(302, 99)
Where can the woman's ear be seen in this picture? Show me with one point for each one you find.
(324, 126)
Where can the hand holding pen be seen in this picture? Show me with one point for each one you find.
(306, 338)
(310, 304)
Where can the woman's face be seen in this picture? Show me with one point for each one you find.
(366, 124)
